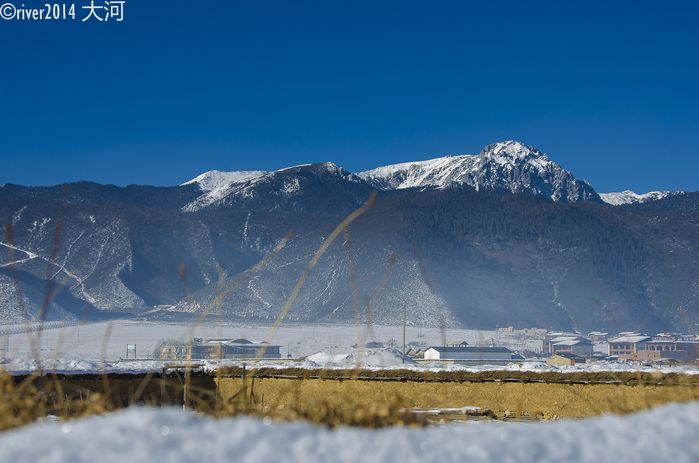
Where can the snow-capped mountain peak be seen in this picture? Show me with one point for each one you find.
(631, 197)
(504, 166)
(216, 179)
(511, 150)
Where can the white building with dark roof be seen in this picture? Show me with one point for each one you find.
(471, 354)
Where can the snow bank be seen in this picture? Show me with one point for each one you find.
(372, 359)
(26, 366)
(664, 434)
(385, 359)
(325, 358)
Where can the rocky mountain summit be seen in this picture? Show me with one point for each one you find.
(507, 166)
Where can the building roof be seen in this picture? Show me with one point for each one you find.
(563, 334)
(470, 349)
(633, 339)
(562, 338)
(572, 342)
(229, 340)
(238, 342)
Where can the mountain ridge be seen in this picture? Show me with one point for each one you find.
(455, 255)
(503, 166)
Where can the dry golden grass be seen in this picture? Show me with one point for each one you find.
(36, 397)
(341, 397)
(31, 398)
(629, 378)
(540, 400)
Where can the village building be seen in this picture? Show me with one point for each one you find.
(556, 336)
(680, 351)
(220, 349)
(374, 345)
(570, 343)
(627, 345)
(598, 337)
(565, 359)
(576, 346)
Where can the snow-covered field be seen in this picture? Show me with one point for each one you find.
(102, 346)
(670, 433)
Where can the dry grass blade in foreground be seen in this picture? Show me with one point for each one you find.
(314, 260)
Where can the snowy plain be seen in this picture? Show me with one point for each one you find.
(101, 347)
(108, 340)
(669, 433)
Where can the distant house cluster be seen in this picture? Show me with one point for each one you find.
(663, 346)
(199, 349)
(572, 348)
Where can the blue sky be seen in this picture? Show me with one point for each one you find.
(181, 87)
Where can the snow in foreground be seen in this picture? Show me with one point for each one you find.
(669, 433)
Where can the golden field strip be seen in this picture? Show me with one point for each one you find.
(507, 394)
(333, 397)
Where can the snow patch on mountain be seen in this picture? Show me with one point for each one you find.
(216, 185)
(631, 197)
(509, 166)
(216, 179)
